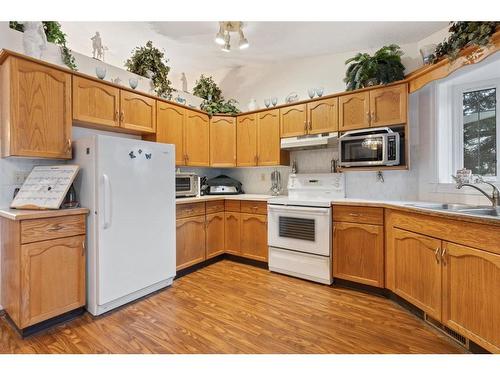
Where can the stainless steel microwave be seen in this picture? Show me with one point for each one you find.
(369, 148)
(186, 184)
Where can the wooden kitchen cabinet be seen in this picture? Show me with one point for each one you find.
(222, 141)
(293, 120)
(43, 267)
(137, 112)
(191, 246)
(95, 103)
(215, 234)
(232, 232)
(35, 110)
(170, 128)
(471, 294)
(197, 139)
(269, 151)
(354, 111)
(322, 116)
(388, 105)
(246, 142)
(417, 268)
(253, 237)
(358, 253)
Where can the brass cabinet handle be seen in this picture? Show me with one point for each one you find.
(122, 115)
(310, 125)
(443, 255)
(116, 116)
(83, 248)
(368, 117)
(436, 254)
(305, 126)
(68, 145)
(372, 116)
(353, 214)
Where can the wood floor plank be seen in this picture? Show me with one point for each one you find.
(229, 307)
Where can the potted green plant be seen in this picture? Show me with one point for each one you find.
(383, 67)
(213, 101)
(148, 61)
(55, 35)
(464, 34)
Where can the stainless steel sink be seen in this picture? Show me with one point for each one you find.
(491, 211)
(442, 206)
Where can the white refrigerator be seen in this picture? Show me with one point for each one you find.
(129, 187)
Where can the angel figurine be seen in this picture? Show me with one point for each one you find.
(184, 82)
(34, 38)
(97, 49)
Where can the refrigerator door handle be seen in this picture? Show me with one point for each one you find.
(107, 201)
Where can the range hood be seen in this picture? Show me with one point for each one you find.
(306, 142)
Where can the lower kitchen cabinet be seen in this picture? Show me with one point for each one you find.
(418, 270)
(232, 232)
(215, 234)
(253, 235)
(43, 267)
(358, 253)
(190, 241)
(471, 294)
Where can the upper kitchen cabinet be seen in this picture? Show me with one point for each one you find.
(354, 111)
(95, 103)
(137, 112)
(222, 141)
(388, 105)
(293, 120)
(268, 140)
(170, 128)
(35, 110)
(197, 139)
(246, 140)
(322, 116)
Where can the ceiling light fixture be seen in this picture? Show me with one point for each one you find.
(223, 37)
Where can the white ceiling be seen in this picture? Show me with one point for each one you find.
(190, 45)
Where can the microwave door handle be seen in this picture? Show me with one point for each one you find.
(106, 201)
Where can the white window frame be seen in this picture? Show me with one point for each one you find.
(458, 121)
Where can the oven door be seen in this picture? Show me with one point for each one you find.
(305, 229)
(363, 150)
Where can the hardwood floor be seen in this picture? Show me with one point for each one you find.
(229, 307)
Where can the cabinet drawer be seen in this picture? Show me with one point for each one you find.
(233, 206)
(254, 207)
(35, 230)
(358, 214)
(215, 206)
(190, 209)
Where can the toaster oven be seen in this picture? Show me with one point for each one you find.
(186, 184)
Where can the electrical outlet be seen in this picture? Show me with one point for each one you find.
(263, 177)
(20, 177)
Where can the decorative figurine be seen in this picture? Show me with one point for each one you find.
(184, 82)
(97, 48)
(34, 38)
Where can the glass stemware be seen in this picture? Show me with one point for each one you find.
(267, 102)
(274, 101)
(319, 91)
(311, 93)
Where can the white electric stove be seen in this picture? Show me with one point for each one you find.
(300, 226)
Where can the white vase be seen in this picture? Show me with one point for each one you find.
(252, 105)
(34, 39)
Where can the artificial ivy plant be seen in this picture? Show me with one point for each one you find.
(54, 34)
(213, 101)
(148, 61)
(464, 34)
(382, 68)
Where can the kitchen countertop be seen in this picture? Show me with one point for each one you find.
(14, 214)
(238, 197)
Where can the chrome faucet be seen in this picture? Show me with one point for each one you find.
(495, 194)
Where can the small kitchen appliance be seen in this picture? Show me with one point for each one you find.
(376, 147)
(223, 185)
(300, 226)
(186, 185)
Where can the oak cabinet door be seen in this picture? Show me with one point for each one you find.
(323, 116)
(95, 103)
(37, 116)
(253, 237)
(52, 278)
(170, 128)
(388, 105)
(215, 234)
(190, 241)
(293, 120)
(197, 139)
(246, 144)
(268, 139)
(354, 111)
(222, 141)
(137, 112)
(418, 270)
(232, 232)
(358, 253)
(471, 294)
